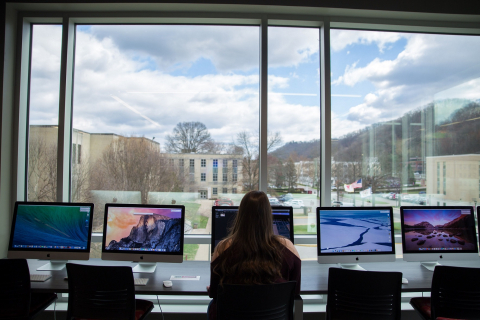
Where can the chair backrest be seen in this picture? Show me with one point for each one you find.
(262, 302)
(455, 292)
(371, 295)
(14, 289)
(100, 292)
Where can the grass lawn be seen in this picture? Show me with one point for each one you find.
(190, 251)
(203, 222)
(191, 212)
(302, 229)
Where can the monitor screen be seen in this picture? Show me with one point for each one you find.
(438, 233)
(223, 218)
(144, 233)
(355, 235)
(51, 231)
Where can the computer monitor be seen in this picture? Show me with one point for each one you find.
(52, 231)
(146, 234)
(223, 217)
(349, 236)
(432, 234)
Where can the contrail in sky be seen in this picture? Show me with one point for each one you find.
(135, 110)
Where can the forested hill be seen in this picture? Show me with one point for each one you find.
(304, 149)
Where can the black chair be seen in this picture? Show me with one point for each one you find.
(262, 302)
(16, 300)
(455, 294)
(100, 292)
(371, 295)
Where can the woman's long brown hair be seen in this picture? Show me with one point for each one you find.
(254, 253)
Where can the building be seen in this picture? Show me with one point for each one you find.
(455, 177)
(207, 175)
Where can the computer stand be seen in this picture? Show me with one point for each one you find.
(349, 266)
(145, 267)
(430, 265)
(53, 265)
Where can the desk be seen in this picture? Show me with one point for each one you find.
(314, 276)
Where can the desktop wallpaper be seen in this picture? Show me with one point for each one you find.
(50, 226)
(146, 229)
(355, 231)
(439, 229)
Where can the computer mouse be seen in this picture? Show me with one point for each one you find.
(404, 280)
(167, 284)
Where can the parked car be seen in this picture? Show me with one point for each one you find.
(274, 202)
(223, 202)
(392, 196)
(295, 204)
(285, 197)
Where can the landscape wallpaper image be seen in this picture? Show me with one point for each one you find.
(438, 229)
(159, 229)
(51, 226)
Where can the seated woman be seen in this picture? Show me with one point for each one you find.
(252, 254)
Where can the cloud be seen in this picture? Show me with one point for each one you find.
(428, 65)
(344, 38)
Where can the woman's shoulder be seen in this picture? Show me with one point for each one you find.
(220, 248)
(289, 245)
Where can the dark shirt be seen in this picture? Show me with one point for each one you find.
(291, 268)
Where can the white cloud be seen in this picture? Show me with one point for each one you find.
(429, 64)
(344, 38)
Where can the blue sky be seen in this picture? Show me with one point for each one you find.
(143, 80)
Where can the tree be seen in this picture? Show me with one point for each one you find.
(190, 137)
(291, 174)
(42, 170)
(135, 164)
(248, 143)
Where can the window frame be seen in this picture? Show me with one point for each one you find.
(16, 75)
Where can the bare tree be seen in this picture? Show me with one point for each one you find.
(190, 137)
(80, 181)
(248, 142)
(291, 174)
(135, 164)
(42, 170)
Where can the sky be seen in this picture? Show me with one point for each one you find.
(437, 217)
(144, 79)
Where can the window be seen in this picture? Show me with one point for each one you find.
(386, 131)
(215, 163)
(224, 190)
(43, 114)
(215, 177)
(389, 128)
(215, 191)
(203, 177)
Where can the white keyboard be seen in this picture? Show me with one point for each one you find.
(40, 277)
(140, 281)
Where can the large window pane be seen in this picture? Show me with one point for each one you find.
(405, 119)
(294, 124)
(43, 112)
(163, 115)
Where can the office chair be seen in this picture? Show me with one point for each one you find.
(267, 301)
(365, 295)
(101, 292)
(455, 294)
(16, 300)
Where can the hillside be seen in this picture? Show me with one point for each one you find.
(304, 149)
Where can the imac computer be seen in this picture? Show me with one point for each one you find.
(349, 236)
(223, 217)
(432, 234)
(146, 234)
(51, 231)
